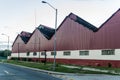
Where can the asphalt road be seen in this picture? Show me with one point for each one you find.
(10, 72)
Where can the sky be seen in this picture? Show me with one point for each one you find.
(26, 15)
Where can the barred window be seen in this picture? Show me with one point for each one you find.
(52, 53)
(83, 53)
(108, 52)
(42, 53)
(34, 54)
(66, 53)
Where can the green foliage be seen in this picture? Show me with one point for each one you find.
(5, 53)
(59, 68)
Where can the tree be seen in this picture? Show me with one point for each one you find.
(1, 53)
(5, 53)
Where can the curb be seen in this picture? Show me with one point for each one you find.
(40, 70)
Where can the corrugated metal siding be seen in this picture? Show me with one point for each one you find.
(19, 46)
(108, 36)
(38, 42)
(74, 36)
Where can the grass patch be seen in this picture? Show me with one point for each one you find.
(59, 68)
(31, 64)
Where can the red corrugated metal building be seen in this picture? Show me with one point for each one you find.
(76, 34)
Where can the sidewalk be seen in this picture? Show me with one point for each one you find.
(88, 77)
(93, 69)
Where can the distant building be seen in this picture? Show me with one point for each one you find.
(78, 43)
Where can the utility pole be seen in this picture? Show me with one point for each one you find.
(54, 64)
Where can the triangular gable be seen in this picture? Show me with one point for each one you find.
(80, 21)
(25, 36)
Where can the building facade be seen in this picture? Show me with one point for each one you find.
(78, 43)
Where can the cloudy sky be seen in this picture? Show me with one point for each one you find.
(25, 15)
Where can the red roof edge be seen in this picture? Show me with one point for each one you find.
(63, 21)
(15, 40)
(109, 19)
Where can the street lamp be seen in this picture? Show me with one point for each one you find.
(55, 32)
(8, 41)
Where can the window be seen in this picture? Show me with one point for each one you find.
(34, 54)
(66, 53)
(28, 53)
(52, 53)
(83, 52)
(108, 52)
(42, 53)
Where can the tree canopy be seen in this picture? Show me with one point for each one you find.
(5, 53)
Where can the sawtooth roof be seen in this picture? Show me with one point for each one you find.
(46, 31)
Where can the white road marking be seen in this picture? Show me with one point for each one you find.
(6, 72)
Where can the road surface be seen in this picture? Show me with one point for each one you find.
(10, 72)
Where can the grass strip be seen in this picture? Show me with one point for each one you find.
(59, 68)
